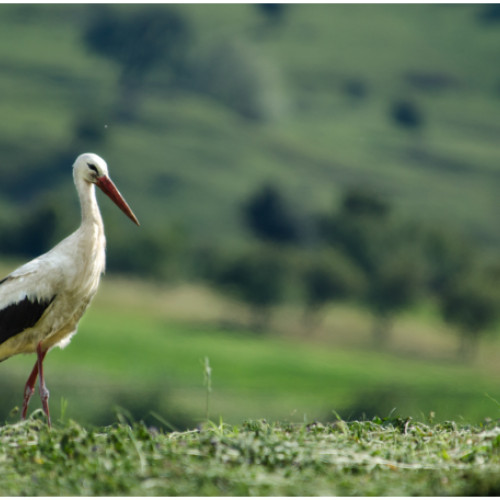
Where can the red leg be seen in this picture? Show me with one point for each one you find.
(44, 392)
(29, 388)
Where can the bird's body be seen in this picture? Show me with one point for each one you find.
(42, 301)
(64, 280)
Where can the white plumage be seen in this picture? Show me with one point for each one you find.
(42, 301)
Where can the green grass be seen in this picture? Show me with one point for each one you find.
(132, 351)
(391, 457)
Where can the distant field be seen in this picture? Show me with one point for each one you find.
(144, 356)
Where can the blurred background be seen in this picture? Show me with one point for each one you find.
(317, 187)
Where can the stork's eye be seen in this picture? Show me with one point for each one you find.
(93, 167)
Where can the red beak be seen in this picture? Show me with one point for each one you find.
(105, 184)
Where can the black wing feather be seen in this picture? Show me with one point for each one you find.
(17, 317)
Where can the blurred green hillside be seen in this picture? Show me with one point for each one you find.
(305, 97)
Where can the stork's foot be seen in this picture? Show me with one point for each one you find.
(44, 396)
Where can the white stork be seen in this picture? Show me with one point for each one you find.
(42, 301)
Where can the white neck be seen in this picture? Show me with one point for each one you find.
(88, 203)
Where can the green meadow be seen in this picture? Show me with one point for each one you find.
(142, 348)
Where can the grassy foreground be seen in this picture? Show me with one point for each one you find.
(392, 456)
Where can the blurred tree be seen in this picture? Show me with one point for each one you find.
(138, 41)
(431, 81)
(472, 303)
(155, 254)
(257, 277)
(274, 12)
(36, 232)
(489, 14)
(90, 130)
(359, 227)
(365, 203)
(448, 256)
(389, 254)
(356, 88)
(395, 283)
(37, 175)
(328, 276)
(270, 218)
(407, 115)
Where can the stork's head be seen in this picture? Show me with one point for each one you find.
(92, 169)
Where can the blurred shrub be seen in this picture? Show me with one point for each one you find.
(359, 226)
(157, 255)
(258, 277)
(35, 232)
(273, 12)
(406, 114)
(394, 285)
(35, 175)
(389, 254)
(429, 81)
(270, 218)
(363, 202)
(448, 256)
(472, 303)
(328, 276)
(89, 130)
(138, 40)
(489, 14)
(355, 88)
